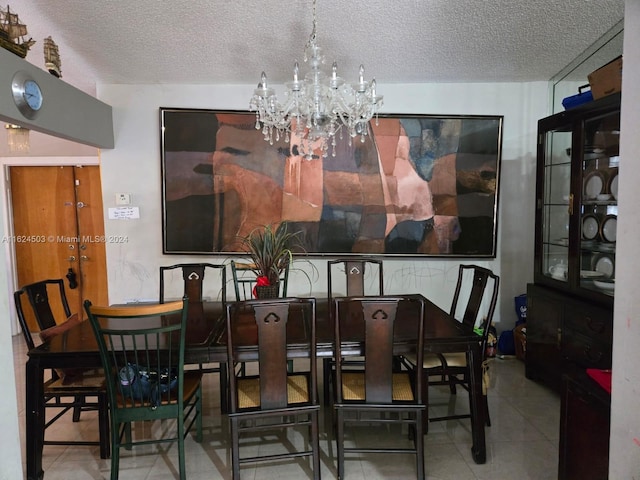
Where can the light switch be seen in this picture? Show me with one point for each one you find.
(123, 199)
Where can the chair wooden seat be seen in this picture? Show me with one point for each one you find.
(80, 383)
(249, 391)
(353, 387)
(435, 360)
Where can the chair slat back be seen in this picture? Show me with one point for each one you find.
(244, 279)
(43, 305)
(377, 317)
(354, 270)
(268, 325)
(142, 349)
(479, 278)
(193, 276)
(271, 320)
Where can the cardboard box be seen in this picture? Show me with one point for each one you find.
(607, 79)
(520, 340)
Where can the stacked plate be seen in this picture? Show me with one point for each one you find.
(608, 228)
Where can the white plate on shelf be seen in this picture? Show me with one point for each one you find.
(590, 274)
(613, 186)
(607, 286)
(608, 229)
(590, 227)
(593, 184)
(604, 265)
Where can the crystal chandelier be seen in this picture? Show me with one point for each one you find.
(317, 108)
(17, 138)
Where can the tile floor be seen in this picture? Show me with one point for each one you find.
(522, 442)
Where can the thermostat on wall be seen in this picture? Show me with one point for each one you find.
(123, 199)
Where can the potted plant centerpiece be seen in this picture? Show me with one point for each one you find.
(270, 249)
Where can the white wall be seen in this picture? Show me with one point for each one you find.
(624, 459)
(10, 459)
(134, 167)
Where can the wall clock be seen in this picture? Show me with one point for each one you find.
(27, 94)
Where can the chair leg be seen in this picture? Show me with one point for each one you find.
(78, 399)
(486, 411)
(199, 415)
(452, 384)
(115, 451)
(181, 466)
(224, 400)
(425, 400)
(127, 435)
(315, 444)
(103, 425)
(419, 443)
(326, 380)
(235, 449)
(340, 442)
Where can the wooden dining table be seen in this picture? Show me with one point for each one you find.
(205, 344)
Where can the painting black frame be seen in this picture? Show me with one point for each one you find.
(469, 147)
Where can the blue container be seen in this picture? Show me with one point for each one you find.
(577, 100)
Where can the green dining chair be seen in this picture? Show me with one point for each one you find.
(142, 352)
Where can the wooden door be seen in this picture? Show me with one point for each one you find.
(59, 229)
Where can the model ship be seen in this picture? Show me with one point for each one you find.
(12, 34)
(52, 57)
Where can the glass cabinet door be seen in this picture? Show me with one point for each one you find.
(556, 202)
(599, 202)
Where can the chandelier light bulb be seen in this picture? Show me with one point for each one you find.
(317, 108)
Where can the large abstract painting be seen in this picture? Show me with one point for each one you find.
(418, 185)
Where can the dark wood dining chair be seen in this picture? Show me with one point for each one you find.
(146, 381)
(200, 282)
(380, 391)
(244, 280)
(276, 397)
(362, 276)
(474, 303)
(350, 277)
(66, 390)
(194, 283)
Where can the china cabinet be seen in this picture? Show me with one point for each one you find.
(570, 303)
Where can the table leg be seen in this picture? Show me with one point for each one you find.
(476, 403)
(34, 419)
(224, 401)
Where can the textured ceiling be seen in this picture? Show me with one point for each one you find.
(232, 41)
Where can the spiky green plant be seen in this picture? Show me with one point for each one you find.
(270, 249)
